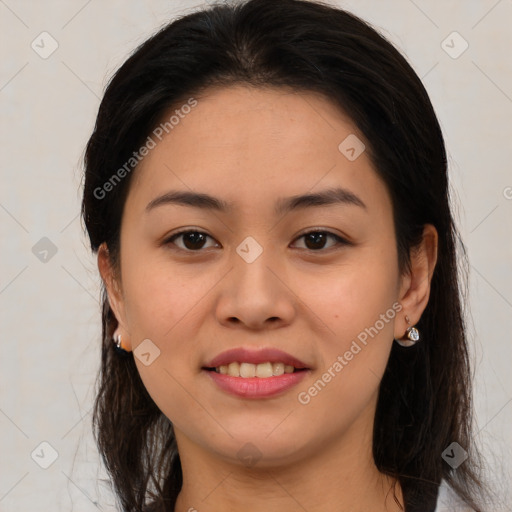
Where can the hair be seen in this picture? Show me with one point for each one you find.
(424, 401)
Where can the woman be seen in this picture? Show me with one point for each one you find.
(266, 190)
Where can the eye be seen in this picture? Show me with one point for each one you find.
(315, 240)
(192, 241)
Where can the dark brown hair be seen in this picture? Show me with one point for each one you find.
(424, 400)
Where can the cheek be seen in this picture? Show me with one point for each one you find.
(159, 296)
(352, 297)
(359, 305)
(160, 306)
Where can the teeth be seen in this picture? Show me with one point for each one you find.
(247, 370)
(262, 370)
(234, 369)
(278, 368)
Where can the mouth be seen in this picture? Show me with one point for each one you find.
(248, 363)
(255, 381)
(247, 370)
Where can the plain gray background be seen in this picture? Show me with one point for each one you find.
(49, 284)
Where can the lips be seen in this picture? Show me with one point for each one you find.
(244, 355)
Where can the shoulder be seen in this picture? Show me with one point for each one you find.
(449, 501)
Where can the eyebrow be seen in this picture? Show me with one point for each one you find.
(207, 202)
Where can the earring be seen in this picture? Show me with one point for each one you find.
(411, 336)
(118, 346)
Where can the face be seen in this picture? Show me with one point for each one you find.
(315, 279)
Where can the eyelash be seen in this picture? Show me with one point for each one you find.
(340, 241)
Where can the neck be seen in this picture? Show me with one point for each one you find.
(339, 476)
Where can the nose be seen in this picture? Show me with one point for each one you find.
(256, 295)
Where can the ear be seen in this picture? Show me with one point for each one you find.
(112, 284)
(415, 285)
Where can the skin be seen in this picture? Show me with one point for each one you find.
(252, 147)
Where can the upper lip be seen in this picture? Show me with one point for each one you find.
(245, 355)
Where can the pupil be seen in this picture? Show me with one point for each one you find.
(316, 238)
(194, 238)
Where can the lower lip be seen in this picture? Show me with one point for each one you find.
(256, 387)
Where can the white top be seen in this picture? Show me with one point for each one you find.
(448, 501)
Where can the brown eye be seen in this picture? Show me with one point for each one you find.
(190, 240)
(316, 240)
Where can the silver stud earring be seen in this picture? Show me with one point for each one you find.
(118, 346)
(411, 336)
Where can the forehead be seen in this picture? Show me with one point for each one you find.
(238, 116)
(242, 143)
